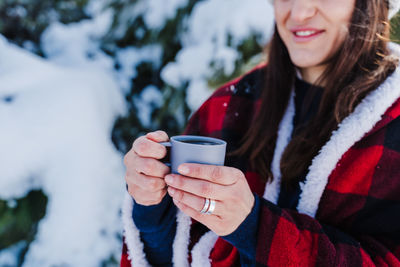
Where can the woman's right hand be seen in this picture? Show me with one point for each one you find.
(144, 172)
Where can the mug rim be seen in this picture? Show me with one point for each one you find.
(180, 138)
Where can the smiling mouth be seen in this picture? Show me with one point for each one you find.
(306, 35)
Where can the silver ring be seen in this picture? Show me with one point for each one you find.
(206, 206)
(212, 207)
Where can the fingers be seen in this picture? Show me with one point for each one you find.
(146, 190)
(143, 197)
(148, 146)
(193, 201)
(200, 217)
(151, 167)
(146, 183)
(217, 174)
(144, 173)
(196, 187)
(158, 136)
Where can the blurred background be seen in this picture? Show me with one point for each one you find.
(79, 81)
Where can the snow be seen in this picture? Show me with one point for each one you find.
(149, 99)
(77, 45)
(56, 127)
(72, 44)
(155, 14)
(159, 11)
(206, 42)
(8, 258)
(57, 115)
(129, 58)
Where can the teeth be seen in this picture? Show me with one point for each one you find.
(304, 33)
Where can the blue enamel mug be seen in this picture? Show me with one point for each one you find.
(194, 149)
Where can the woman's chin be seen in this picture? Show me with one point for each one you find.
(304, 63)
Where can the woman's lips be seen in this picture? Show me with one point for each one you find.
(306, 35)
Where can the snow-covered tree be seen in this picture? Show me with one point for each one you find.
(176, 52)
(23, 21)
(166, 56)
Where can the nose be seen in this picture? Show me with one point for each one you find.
(302, 10)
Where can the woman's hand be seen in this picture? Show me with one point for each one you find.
(227, 186)
(144, 172)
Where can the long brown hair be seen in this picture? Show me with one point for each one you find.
(358, 67)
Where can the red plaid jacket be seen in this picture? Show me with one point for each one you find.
(349, 209)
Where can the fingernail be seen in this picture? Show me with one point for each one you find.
(183, 169)
(171, 191)
(169, 179)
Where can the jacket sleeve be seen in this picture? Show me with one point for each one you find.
(358, 219)
(287, 238)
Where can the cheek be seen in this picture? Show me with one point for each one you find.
(342, 34)
(281, 32)
(340, 19)
(281, 12)
(339, 37)
(280, 21)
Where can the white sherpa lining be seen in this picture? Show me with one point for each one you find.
(181, 242)
(132, 236)
(272, 190)
(135, 245)
(201, 251)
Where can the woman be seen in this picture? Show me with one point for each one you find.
(312, 176)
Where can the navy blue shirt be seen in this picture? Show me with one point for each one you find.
(306, 100)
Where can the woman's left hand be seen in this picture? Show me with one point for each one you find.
(226, 185)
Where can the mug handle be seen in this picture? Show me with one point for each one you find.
(167, 159)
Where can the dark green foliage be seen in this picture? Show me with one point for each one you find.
(395, 25)
(19, 222)
(133, 32)
(25, 20)
(111, 262)
(248, 49)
